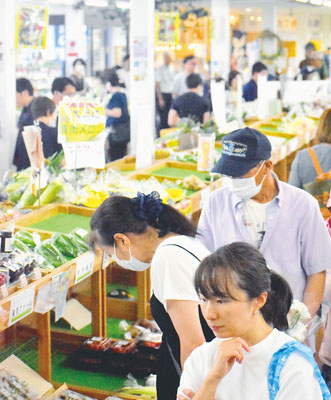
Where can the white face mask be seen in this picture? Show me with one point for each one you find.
(80, 69)
(133, 264)
(246, 188)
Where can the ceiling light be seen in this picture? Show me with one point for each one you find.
(248, 9)
(327, 3)
(123, 4)
(232, 17)
(252, 18)
(259, 19)
(316, 2)
(302, 1)
(96, 3)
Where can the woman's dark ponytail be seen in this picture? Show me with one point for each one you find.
(278, 303)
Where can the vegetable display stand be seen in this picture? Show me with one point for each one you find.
(17, 298)
(55, 218)
(175, 172)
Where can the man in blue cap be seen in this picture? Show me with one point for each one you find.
(284, 222)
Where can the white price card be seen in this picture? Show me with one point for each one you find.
(21, 305)
(105, 260)
(85, 154)
(84, 267)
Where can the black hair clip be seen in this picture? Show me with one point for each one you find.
(147, 207)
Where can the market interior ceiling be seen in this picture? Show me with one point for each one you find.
(116, 12)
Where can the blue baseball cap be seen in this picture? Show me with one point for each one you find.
(242, 150)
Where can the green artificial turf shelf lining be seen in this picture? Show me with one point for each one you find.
(179, 173)
(63, 223)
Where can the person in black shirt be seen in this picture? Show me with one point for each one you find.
(24, 97)
(43, 112)
(190, 104)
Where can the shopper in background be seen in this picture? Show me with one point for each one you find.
(190, 104)
(143, 231)
(250, 89)
(180, 86)
(43, 112)
(232, 86)
(24, 97)
(164, 88)
(62, 87)
(78, 76)
(246, 305)
(302, 169)
(124, 75)
(325, 350)
(284, 222)
(118, 121)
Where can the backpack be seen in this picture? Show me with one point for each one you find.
(321, 186)
(278, 361)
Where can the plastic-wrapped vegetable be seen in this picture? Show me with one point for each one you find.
(49, 195)
(21, 246)
(81, 236)
(27, 238)
(28, 198)
(65, 245)
(51, 254)
(80, 243)
(55, 162)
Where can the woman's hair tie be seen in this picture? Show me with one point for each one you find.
(147, 207)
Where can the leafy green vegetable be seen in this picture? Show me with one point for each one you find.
(49, 195)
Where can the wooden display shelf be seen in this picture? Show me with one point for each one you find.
(51, 210)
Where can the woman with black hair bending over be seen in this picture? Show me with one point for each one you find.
(246, 306)
(143, 231)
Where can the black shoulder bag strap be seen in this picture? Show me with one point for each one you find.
(176, 364)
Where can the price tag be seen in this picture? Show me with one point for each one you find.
(84, 267)
(105, 261)
(21, 306)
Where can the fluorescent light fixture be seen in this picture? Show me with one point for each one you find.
(96, 3)
(123, 4)
(316, 2)
(327, 3)
(248, 9)
(302, 1)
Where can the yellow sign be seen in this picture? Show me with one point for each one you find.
(31, 26)
(80, 121)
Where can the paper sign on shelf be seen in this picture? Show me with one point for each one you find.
(84, 155)
(61, 298)
(84, 267)
(21, 305)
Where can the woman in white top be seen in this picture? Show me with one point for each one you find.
(143, 231)
(246, 306)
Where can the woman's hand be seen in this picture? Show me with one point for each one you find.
(228, 352)
(187, 394)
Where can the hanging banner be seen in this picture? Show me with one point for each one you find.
(31, 26)
(167, 28)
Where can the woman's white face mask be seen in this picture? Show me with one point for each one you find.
(133, 263)
(246, 188)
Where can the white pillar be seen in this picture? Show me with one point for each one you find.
(8, 130)
(142, 85)
(220, 41)
(75, 37)
(269, 18)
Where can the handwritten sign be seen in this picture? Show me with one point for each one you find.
(84, 267)
(21, 306)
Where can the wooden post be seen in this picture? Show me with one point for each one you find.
(98, 317)
(44, 345)
(143, 294)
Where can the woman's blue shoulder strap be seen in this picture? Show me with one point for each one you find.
(278, 361)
